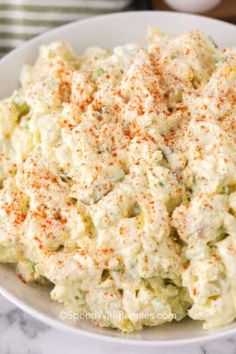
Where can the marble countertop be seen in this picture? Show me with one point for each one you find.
(21, 334)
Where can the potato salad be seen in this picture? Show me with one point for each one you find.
(118, 180)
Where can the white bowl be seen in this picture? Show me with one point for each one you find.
(107, 31)
(193, 5)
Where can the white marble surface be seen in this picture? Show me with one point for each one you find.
(21, 334)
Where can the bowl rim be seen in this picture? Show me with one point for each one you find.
(58, 324)
(38, 38)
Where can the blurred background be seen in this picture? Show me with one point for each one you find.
(222, 9)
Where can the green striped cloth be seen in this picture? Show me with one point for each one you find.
(21, 20)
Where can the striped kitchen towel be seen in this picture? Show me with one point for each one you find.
(21, 20)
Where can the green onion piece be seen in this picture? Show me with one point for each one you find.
(224, 190)
(187, 198)
(53, 81)
(101, 71)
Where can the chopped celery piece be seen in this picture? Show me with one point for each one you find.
(20, 104)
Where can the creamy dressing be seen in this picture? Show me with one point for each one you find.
(118, 174)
